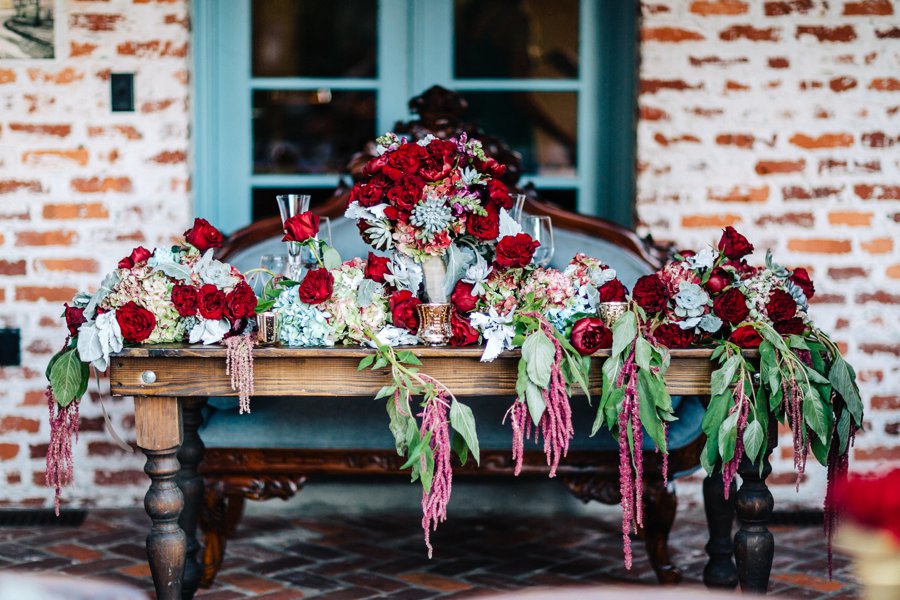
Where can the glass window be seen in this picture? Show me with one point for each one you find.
(314, 38)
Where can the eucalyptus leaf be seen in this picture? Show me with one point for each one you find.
(367, 292)
(534, 396)
(539, 353)
(331, 258)
(463, 422)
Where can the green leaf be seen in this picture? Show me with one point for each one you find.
(387, 390)
(624, 332)
(458, 444)
(813, 376)
(715, 414)
(816, 415)
(708, 456)
(331, 258)
(416, 450)
(843, 380)
(539, 353)
(366, 362)
(428, 472)
(522, 380)
(797, 343)
(380, 363)
(579, 369)
(463, 422)
(535, 398)
(754, 437)
(408, 357)
(397, 426)
(843, 431)
(728, 437)
(68, 378)
(820, 448)
(722, 378)
(51, 363)
(773, 337)
(264, 305)
(643, 351)
(647, 390)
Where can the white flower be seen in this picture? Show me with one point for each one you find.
(98, 338)
(394, 336)
(704, 259)
(209, 331)
(404, 273)
(477, 275)
(497, 330)
(213, 271)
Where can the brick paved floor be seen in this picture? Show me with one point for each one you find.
(380, 555)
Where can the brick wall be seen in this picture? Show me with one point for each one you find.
(781, 118)
(79, 187)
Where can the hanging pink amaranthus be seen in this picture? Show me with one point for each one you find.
(239, 364)
(742, 405)
(435, 501)
(630, 482)
(63, 428)
(838, 466)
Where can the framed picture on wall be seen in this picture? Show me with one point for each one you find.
(27, 29)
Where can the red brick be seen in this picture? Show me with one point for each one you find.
(879, 296)
(64, 77)
(41, 129)
(735, 86)
(825, 140)
(877, 139)
(14, 478)
(842, 84)
(718, 221)
(798, 193)
(8, 186)
(886, 402)
(8, 451)
(96, 185)
(157, 105)
(75, 552)
(152, 49)
(91, 424)
(45, 238)
(78, 156)
(669, 34)
(828, 299)
(801, 219)
(741, 140)
(7, 76)
(819, 246)
(841, 273)
(877, 192)
(850, 217)
(773, 167)
(885, 84)
(10, 267)
(653, 9)
(33, 293)
(779, 62)
(842, 166)
(876, 348)
(168, 157)
(651, 86)
(40, 347)
(776, 9)
(717, 61)
(94, 21)
(667, 141)
(869, 7)
(81, 49)
(651, 113)
(98, 448)
(749, 32)
(893, 271)
(880, 453)
(19, 424)
(126, 131)
(841, 34)
(90, 210)
(120, 477)
(878, 245)
(718, 7)
(71, 265)
(740, 194)
(892, 33)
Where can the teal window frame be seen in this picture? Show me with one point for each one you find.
(223, 85)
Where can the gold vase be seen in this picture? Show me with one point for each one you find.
(434, 324)
(611, 311)
(267, 325)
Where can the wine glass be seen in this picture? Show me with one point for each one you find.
(541, 230)
(276, 263)
(309, 260)
(290, 205)
(518, 207)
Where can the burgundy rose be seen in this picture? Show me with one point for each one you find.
(185, 299)
(438, 162)
(733, 244)
(211, 302)
(136, 322)
(395, 214)
(781, 306)
(370, 193)
(492, 167)
(590, 334)
(484, 227)
(203, 236)
(499, 194)
(463, 334)
(462, 298)
(74, 318)
(800, 277)
(515, 251)
(405, 160)
(137, 256)
(718, 281)
(406, 192)
(403, 310)
(240, 302)
(317, 286)
(792, 326)
(746, 337)
(301, 228)
(650, 293)
(613, 291)
(672, 336)
(376, 268)
(375, 165)
(731, 306)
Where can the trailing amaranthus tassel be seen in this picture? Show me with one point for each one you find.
(520, 420)
(63, 428)
(742, 406)
(434, 502)
(838, 466)
(239, 364)
(629, 483)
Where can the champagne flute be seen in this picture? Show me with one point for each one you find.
(518, 208)
(290, 205)
(541, 230)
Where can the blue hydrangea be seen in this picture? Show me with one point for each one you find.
(302, 324)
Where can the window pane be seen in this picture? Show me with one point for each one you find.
(313, 38)
(310, 131)
(516, 39)
(567, 199)
(264, 204)
(541, 126)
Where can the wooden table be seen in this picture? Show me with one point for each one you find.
(170, 382)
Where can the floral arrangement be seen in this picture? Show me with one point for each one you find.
(164, 295)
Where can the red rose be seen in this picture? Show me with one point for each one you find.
(185, 299)
(136, 322)
(718, 281)
(463, 334)
(731, 306)
(403, 310)
(240, 302)
(650, 293)
(369, 194)
(438, 163)
(375, 165)
(376, 268)
(781, 306)
(317, 286)
(492, 167)
(486, 227)
(590, 334)
(301, 228)
(733, 244)
(211, 302)
(613, 291)
(672, 336)
(137, 256)
(74, 318)
(462, 298)
(405, 160)
(499, 194)
(746, 337)
(406, 192)
(794, 325)
(203, 236)
(515, 251)
(800, 277)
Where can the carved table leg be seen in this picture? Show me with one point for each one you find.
(191, 484)
(719, 571)
(158, 425)
(219, 518)
(754, 544)
(660, 506)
